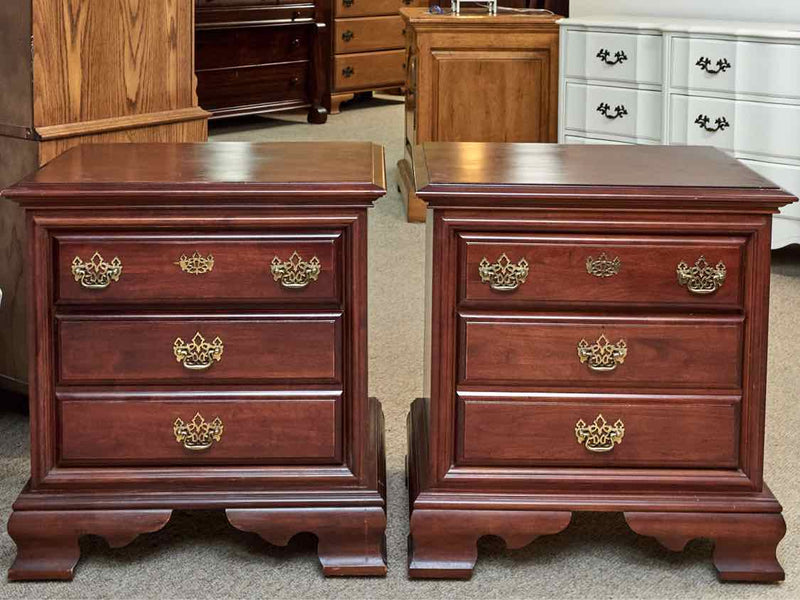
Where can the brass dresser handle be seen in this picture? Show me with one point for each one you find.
(702, 278)
(602, 355)
(198, 354)
(196, 264)
(599, 436)
(295, 272)
(503, 275)
(197, 434)
(96, 274)
(602, 266)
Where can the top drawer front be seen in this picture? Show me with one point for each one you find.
(367, 8)
(115, 269)
(624, 57)
(594, 270)
(760, 69)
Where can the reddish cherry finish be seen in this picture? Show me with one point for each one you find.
(506, 385)
(302, 444)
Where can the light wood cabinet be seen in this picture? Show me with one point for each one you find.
(95, 72)
(477, 78)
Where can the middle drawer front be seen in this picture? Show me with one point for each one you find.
(285, 349)
(115, 269)
(593, 270)
(198, 431)
(630, 113)
(601, 352)
(369, 33)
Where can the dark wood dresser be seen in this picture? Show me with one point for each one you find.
(597, 341)
(261, 56)
(198, 341)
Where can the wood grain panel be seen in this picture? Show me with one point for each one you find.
(186, 131)
(542, 350)
(502, 432)
(241, 270)
(510, 103)
(111, 58)
(267, 348)
(558, 269)
(255, 431)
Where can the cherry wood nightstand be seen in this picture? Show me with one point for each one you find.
(198, 341)
(596, 341)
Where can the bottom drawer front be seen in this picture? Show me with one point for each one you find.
(369, 70)
(245, 86)
(544, 433)
(143, 432)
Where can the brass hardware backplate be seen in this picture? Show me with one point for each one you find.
(602, 355)
(197, 434)
(96, 274)
(602, 266)
(599, 436)
(702, 278)
(503, 275)
(196, 264)
(198, 354)
(295, 272)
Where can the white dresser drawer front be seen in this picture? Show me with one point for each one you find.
(769, 130)
(625, 57)
(786, 176)
(759, 69)
(630, 113)
(574, 139)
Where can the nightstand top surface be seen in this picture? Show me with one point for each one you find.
(548, 170)
(299, 171)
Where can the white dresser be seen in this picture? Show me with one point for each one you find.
(730, 84)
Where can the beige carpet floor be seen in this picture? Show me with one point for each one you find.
(198, 556)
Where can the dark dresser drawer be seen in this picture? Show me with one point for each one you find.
(120, 349)
(601, 352)
(248, 46)
(591, 270)
(240, 86)
(198, 431)
(595, 433)
(279, 268)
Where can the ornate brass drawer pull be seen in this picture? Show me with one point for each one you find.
(702, 278)
(503, 275)
(96, 274)
(348, 35)
(599, 436)
(602, 355)
(295, 272)
(196, 264)
(197, 434)
(198, 354)
(619, 56)
(348, 71)
(602, 266)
